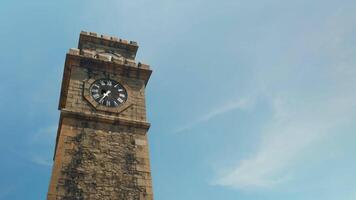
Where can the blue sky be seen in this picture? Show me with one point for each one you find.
(249, 100)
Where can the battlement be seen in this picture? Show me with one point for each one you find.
(107, 57)
(107, 44)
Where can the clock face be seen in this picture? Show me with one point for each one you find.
(108, 92)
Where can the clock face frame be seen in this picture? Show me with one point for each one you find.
(108, 93)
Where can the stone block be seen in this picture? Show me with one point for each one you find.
(74, 51)
(133, 43)
(104, 57)
(88, 53)
(130, 62)
(106, 37)
(142, 168)
(118, 60)
(140, 142)
(143, 182)
(84, 33)
(113, 38)
(93, 34)
(124, 41)
(143, 65)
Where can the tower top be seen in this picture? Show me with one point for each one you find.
(107, 44)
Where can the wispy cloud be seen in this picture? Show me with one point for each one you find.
(241, 104)
(43, 135)
(309, 103)
(293, 129)
(41, 161)
(42, 139)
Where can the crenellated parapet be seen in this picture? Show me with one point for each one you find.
(108, 44)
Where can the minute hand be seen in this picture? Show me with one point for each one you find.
(105, 95)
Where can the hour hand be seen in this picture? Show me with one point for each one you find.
(105, 95)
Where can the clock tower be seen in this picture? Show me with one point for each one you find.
(101, 148)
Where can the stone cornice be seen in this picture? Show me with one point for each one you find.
(105, 119)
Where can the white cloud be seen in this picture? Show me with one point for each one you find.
(42, 139)
(41, 161)
(241, 104)
(44, 135)
(309, 103)
(292, 130)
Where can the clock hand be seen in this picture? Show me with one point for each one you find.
(108, 92)
(105, 95)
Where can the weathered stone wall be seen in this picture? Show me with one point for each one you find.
(96, 160)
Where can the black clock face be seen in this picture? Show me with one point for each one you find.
(108, 92)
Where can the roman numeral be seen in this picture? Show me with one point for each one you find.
(120, 100)
(122, 95)
(101, 100)
(95, 85)
(108, 103)
(96, 96)
(95, 90)
(109, 83)
(116, 103)
(120, 90)
(102, 82)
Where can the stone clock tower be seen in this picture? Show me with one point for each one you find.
(101, 147)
